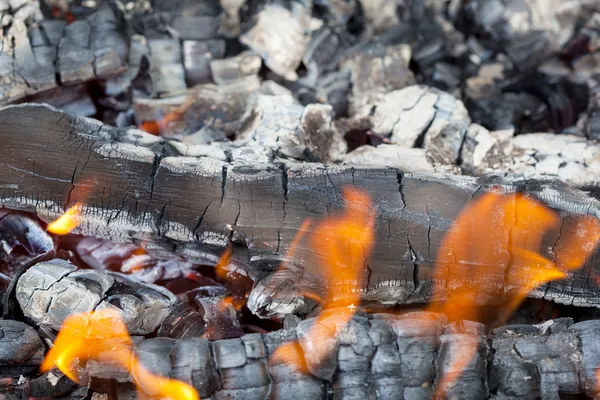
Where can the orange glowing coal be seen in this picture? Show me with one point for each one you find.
(345, 241)
(102, 336)
(492, 252)
(66, 222)
(156, 127)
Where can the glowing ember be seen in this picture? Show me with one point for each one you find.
(102, 336)
(345, 241)
(66, 222)
(495, 243)
(156, 127)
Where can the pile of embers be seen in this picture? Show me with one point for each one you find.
(299, 90)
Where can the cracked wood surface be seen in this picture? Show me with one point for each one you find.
(375, 356)
(139, 188)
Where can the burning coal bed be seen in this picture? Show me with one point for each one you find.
(326, 199)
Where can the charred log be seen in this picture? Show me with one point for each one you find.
(137, 187)
(386, 356)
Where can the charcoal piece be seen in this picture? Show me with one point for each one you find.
(21, 349)
(54, 384)
(219, 106)
(21, 232)
(588, 332)
(391, 155)
(280, 38)
(254, 345)
(463, 381)
(376, 71)
(320, 345)
(334, 89)
(197, 58)
(206, 135)
(527, 31)
(144, 265)
(570, 158)
(166, 69)
(183, 321)
(230, 23)
(227, 70)
(229, 353)
(379, 15)
(51, 291)
(418, 114)
(323, 54)
(293, 130)
(150, 193)
(193, 363)
(220, 316)
(290, 375)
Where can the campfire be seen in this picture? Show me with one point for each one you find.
(311, 200)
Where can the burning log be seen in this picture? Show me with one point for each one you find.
(382, 356)
(139, 188)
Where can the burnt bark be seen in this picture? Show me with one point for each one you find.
(139, 188)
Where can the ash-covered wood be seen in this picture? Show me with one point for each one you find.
(385, 356)
(137, 187)
(39, 57)
(570, 158)
(50, 291)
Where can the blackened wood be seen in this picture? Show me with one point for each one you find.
(137, 187)
(50, 291)
(385, 356)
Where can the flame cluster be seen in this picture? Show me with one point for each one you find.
(102, 336)
(345, 241)
(495, 243)
(493, 250)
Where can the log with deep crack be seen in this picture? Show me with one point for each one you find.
(139, 188)
(374, 356)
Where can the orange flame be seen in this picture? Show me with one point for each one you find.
(345, 241)
(220, 269)
(495, 243)
(66, 222)
(102, 335)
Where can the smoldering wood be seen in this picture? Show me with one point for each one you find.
(50, 291)
(385, 356)
(138, 188)
(21, 349)
(218, 106)
(40, 57)
(21, 240)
